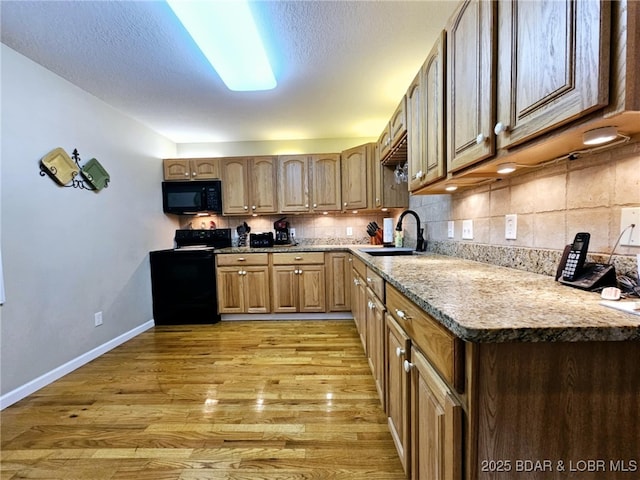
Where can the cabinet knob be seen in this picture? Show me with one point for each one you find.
(194, 174)
(345, 204)
(368, 280)
(371, 305)
(253, 207)
(402, 315)
(298, 258)
(242, 259)
(419, 174)
(500, 128)
(186, 174)
(481, 138)
(356, 282)
(399, 352)
(315, 205)
(246, 207)
(407, 366)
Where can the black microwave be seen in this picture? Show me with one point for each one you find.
(187, 198)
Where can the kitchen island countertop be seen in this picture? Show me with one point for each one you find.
(479, 302)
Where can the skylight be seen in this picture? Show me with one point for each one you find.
(226, 33)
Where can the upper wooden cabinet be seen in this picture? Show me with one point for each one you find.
(394, 131)
(425, 119)
(553, 65)
(249, 185)
(309, 183)
(356, 171)
(471, 81)
(191, 168)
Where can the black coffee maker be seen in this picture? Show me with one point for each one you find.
(282, 232)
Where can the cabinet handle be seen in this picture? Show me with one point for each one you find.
(407, 366)
(500, 128)
(242, 259)
(399, 352)
(402, 315)
(368, 279)
(481, 138)
(298, 258)
(419, 174)
(371, 305)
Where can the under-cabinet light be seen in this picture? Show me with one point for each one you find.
(226, 34)
(598, 136)
(505, 168)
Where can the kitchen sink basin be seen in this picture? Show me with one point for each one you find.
(387, 251)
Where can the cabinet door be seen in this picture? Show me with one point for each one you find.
(384, 142)
(397, 347)
(433, 145)
(230, 290)
(338, 277)
(284, 281)
(263, 176)
(311, 291)
(205, 168)
(375, 341)
(235, 186)
(356, 177)
(398, 123)
(176, 169)
(415, 131)
(553, 65)
(471, 82)
(256, 289)
(293, 183)
(325, 182)
(359, 306)
(436, 425)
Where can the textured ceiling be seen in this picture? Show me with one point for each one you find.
(342, 67)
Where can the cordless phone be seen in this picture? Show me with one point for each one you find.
(576, 257)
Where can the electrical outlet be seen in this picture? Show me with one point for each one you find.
(97, 318)
(450, 230)
(511, 227)
(349, 231)
(292, 231)
(467, 229)
(631, 237)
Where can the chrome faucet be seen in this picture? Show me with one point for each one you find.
(420, 241)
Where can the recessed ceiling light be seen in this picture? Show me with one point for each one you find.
(599, 136)
(227, 36)
(505, 168)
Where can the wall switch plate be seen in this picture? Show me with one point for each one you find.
(467, 229)
(450, 230)
(631, 237)
(97, 318)
(511, 227)
(349, 231)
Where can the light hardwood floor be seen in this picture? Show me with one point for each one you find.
(235, 400)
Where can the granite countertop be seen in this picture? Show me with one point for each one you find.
(479, 302)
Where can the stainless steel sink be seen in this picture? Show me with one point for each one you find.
(387, 251)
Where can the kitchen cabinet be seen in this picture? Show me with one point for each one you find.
(435, 423)
(243, 283)
(359, 299)
(374, 318)
(191, 168)
(553, 65)
(471, 81)
(356, 168)
(394, 133)
(338, 269)
(298, 282)
(397, 346)
(426, 107)
(249, 185)
(309, 183)
(387, 192)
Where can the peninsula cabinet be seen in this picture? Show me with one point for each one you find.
(249, 185)
(243, 283)
(298, 282)
(359, 298)
(191, 168)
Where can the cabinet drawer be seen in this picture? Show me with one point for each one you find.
(375, 283)
(298, 257)
(230, 259)
(441, 347)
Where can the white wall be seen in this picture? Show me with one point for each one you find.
(69, 253)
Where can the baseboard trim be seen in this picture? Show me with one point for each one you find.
(42, 381)
(229, 317)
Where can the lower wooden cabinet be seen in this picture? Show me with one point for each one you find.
(397, 346)
(435, 423)
(243, 283)
(298, 282)
(375, 336)
(338, 280)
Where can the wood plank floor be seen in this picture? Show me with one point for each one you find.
(236, 400)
